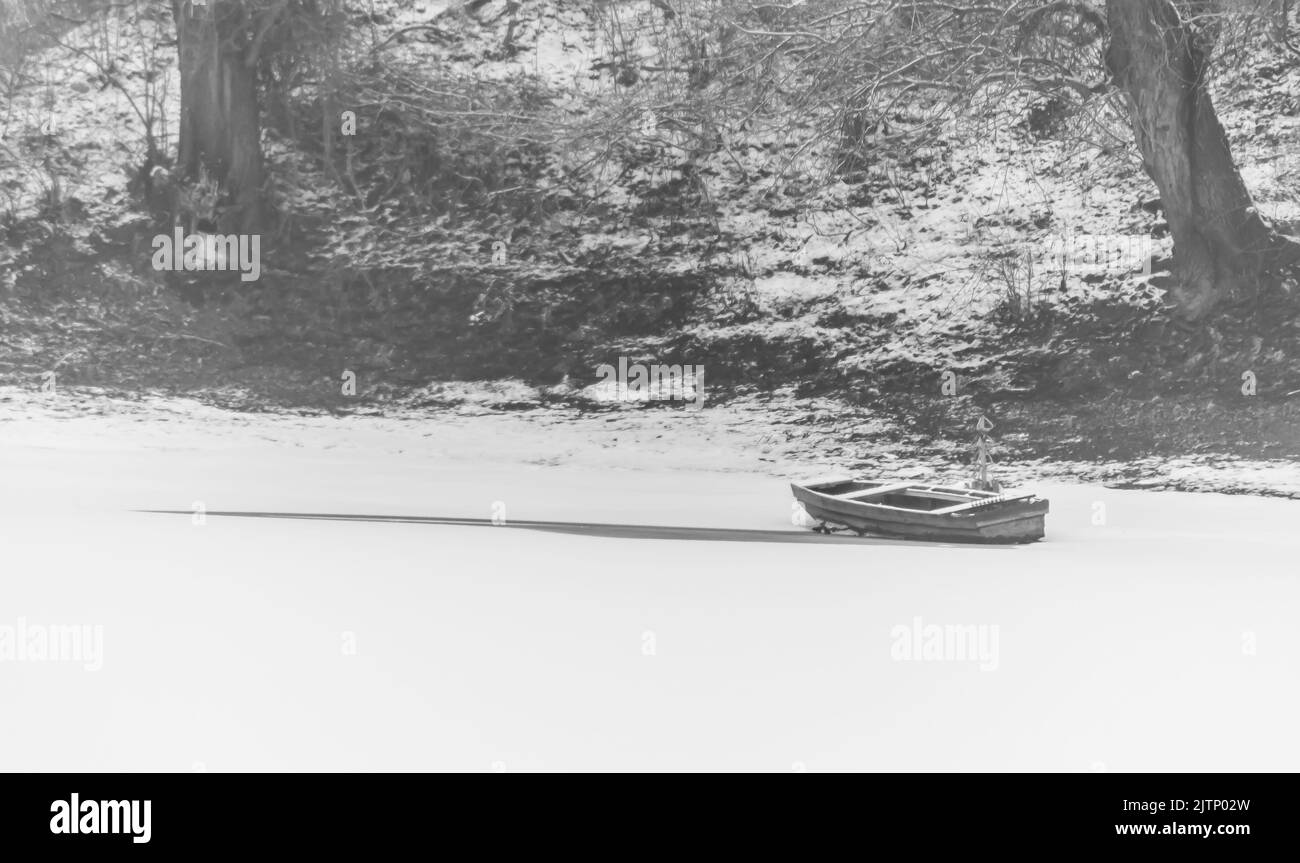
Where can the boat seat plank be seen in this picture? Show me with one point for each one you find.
(875, 492)
(958, 492)
(989, 501)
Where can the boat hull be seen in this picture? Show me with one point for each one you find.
(886, 510)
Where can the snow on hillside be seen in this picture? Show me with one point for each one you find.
(915, 241)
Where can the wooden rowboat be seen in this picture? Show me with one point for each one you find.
(917, 511)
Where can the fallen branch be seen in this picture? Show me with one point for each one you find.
(194, 338)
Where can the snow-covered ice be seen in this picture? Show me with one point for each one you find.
(1148, 632)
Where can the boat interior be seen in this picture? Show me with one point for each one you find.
(913, 496)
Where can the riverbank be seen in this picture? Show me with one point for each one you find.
(503, 423)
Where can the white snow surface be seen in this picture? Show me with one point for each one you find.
(1161, 638)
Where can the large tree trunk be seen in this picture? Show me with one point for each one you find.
(220, 128)
(1222, 246)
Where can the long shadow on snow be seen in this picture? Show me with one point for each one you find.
(612, 531)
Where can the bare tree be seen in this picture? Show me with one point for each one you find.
(1159, 55)
(219, 43)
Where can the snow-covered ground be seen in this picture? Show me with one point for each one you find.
(1148, 632)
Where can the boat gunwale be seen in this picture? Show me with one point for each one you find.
(1028, 499)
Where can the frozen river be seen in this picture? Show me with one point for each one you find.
(1148, 632)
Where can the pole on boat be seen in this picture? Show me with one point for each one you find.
(981, 480)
